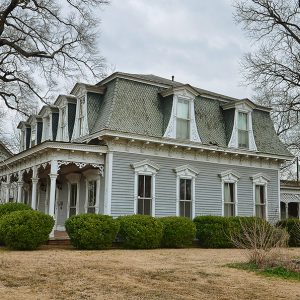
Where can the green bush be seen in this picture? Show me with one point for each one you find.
(92, 231)
(140, 232)
(7, 208)
(293, 228)
(215, 231)
(178, 232)
(26, 229)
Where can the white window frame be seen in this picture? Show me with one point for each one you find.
(73, 178)
(186, 172)
(33, 126)
(62, 133)
(145, 167)
(171, 131)
(92, 175)
(47, 128)
(234, 141)
(262, 180)
(230, 176)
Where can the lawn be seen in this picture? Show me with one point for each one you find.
(52, 273)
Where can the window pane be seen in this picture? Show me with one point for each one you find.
(147, 207)
(186, 209)
(148, 180)
(182, 129)
(72, 211)
(243, 137)
(182, 189)
(140, 209)
(243, 121)
(183, 110)
(91, 210)
(141, 186)
(92, 193)
(73, 195)
(188, 193)
(229, 210)
(260, 211)
(262, 194)
(229, 192)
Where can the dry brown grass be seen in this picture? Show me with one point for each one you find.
(135, 274)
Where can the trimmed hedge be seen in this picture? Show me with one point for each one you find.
(140, 232)
(7, 208)
(91, 231)
(26, 229)
(215, 231)
(293, 228)
(178, 232)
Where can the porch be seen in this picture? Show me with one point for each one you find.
(59, 180)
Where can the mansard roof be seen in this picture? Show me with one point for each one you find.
(133, 104)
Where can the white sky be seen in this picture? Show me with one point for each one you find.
(197, 41)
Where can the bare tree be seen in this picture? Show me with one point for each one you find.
(44, 43)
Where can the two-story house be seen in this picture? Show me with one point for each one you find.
(142, 144)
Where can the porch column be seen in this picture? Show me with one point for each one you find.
(34, 180)
(53, 176)
(108, 183)
(6, 187)
(20, 186)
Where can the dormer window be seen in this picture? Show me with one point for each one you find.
(243, 132)
(33, 135)
(47, 128)
(183, 119)
(182, 123)
(81, 116)
(63, 123)
(239, 114)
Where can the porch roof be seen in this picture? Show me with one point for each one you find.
(48, 146)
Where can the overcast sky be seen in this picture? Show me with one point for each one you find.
(197, 41)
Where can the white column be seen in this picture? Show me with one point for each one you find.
(7, 188)
(286, 210)
(53, 176)
(34, 187)
(20, 186)
(108, 183)
(97, 195)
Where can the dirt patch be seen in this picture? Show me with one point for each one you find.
(135, 274)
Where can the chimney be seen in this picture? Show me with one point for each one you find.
(172, 77)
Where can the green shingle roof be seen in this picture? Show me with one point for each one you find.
(132, 104)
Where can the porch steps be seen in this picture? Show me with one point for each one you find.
(60, 238)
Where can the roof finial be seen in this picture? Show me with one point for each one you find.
(172, 77)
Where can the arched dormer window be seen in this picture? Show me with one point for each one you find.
(182, 123)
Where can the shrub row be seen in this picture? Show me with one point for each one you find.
(90, 231)
(293, 228)
(22, 228)
(216, 232)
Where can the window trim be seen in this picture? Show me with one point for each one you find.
(261, 180)
(171, 132)
(186, 172)
(230, 176)
(73, 178)
(92, 175)
(145, 167)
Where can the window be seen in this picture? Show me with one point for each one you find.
(243, 134)
(185, 194)
(81, 116)
(92, 190)
(183, 119)
(229, 199)
(63, 122)
(260, 201)
(33, 135)
(73, 200)
(144, 194)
